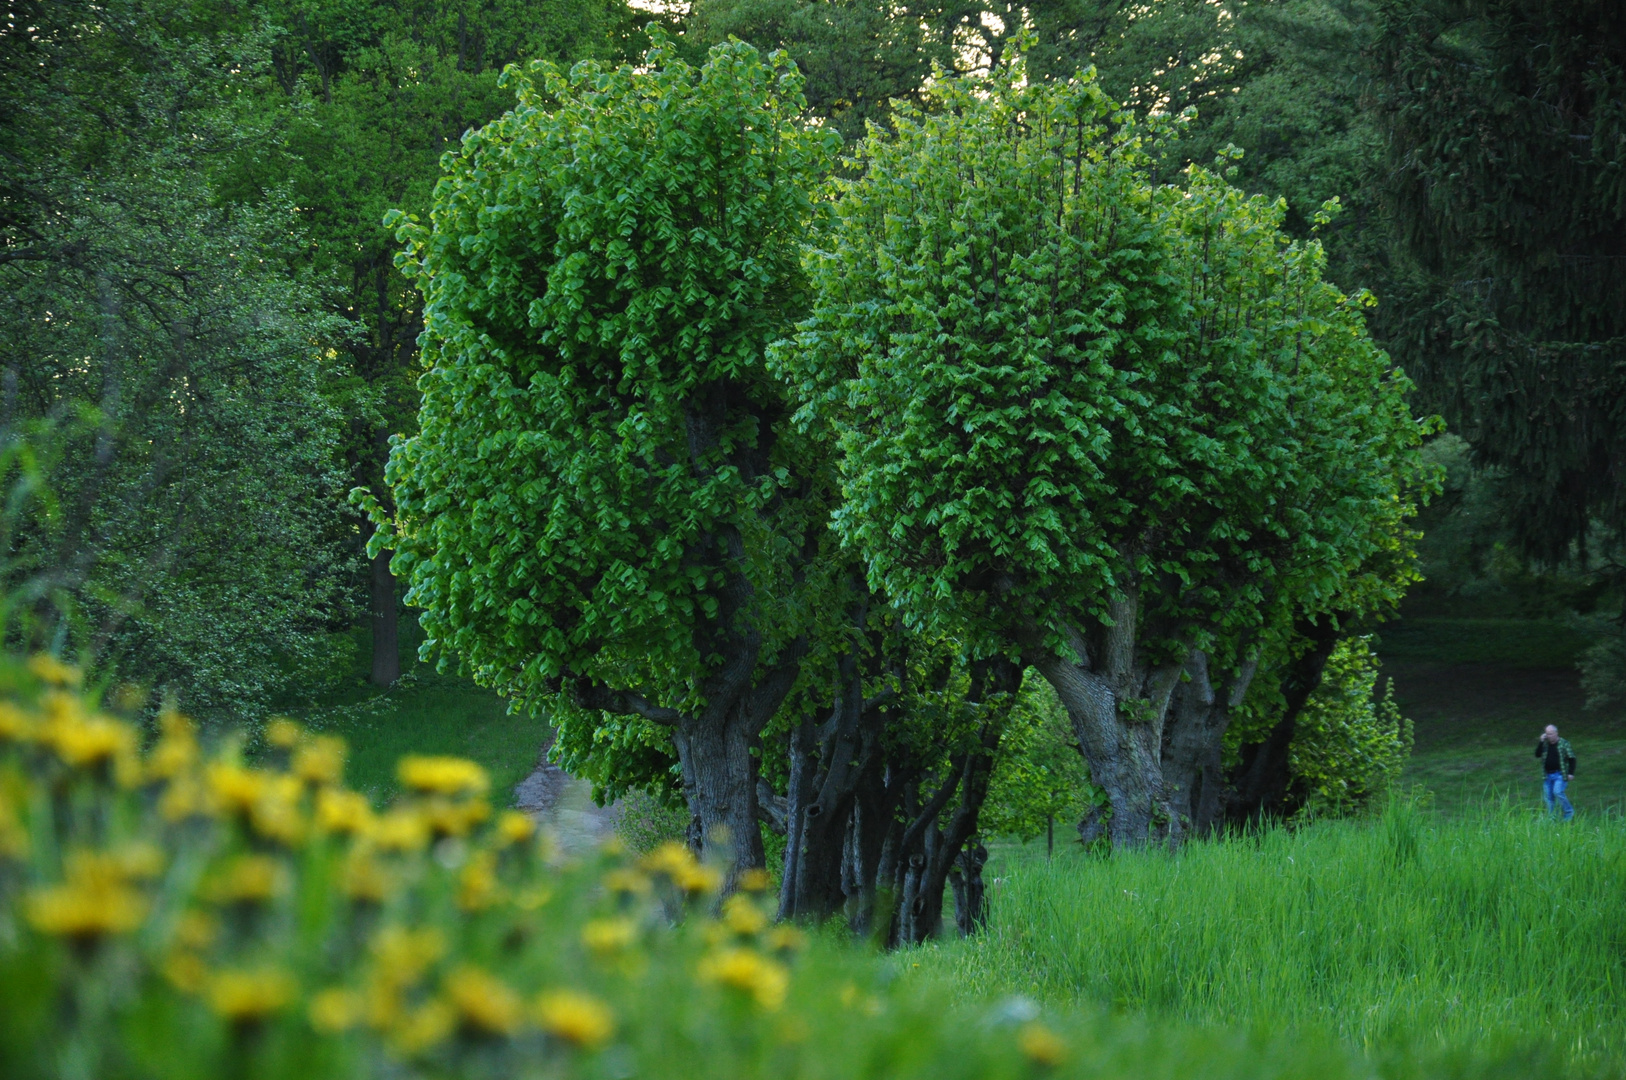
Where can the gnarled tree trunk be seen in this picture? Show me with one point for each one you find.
(1193, 742)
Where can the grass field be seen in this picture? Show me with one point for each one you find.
(1479, 692)
(1409, 932)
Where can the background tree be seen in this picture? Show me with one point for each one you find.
(606, 508)
(182, 376)
(373, 92)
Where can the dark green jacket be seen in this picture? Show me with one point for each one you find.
(1566, 756)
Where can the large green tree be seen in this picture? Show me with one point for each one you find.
(606, 508)
(1089, 421)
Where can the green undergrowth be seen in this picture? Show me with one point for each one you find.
(1407, 935)
(1519, 643)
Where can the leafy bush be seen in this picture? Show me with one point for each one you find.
(1351, 744)
(1040, 776)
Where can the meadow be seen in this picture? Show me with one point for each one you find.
(1408, 932)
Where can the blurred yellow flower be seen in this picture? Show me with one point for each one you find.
(196, 929)
(244, 995)
(748, 970)
(449, 817)
(182, 798)
(514, 827)
(343, 811)
(319, 761)
(15, 724)
(1040, 1045)
(678, 863)
(335, 1010)
(443, 775)
(402, 829)
(785, 939)
(401, 956)
(628, 882)
(575, 1017)
(604, 936)
(363, 878)
(96, 897)
(283, 732)
(50, 670)
(742, 915)
(755, 880)
(424, 1027)
(483, 1002)
(477, 882)
(185, 971)
(247, 879)
(84, 740)
(234, 788)
(177, 748)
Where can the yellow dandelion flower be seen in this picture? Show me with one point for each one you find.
(443, 775)
(447, 817)
(182, 798)
(533, 897)
(785, 939)
(320, 761)
(575, 1017)
(276, 815)
(483, 1002)
(335, 1010)
(176, 751)
(185, 971)
(1040, 1045)
(748, 970)
(605, 936)
(514, 827)
(137, 861)
(755, 880)
(243, 995)
(49, 669)
(84, 740)
(742, 915)
(283, 733)
(671, 859)
(196, 930)
(340, 811)
(248, 879)
(477, 882)
(626, 882)
(424, 1027)
(363, 878)
(96, 898)
(234, 788)
(402, 956)
(402, 829)
(15, 725)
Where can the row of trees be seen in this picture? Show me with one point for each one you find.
(793, 482)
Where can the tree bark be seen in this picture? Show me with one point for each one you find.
(1117, 702)
(1193, 742)
(385, 617)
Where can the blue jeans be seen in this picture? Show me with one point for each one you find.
(1552, 790)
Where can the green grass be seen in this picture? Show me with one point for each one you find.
(424, 713)
(1413, 931)
(1479, 692)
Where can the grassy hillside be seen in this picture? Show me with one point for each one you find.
(1480, 691)
(1409, 931)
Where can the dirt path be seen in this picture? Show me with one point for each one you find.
(564, 803)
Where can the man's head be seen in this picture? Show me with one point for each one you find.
(1551, 734)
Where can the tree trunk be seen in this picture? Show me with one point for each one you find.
(720, 783)
(1123, 752)
(1193, 742)
(1261, 780)
(970, 897)
(385, 617)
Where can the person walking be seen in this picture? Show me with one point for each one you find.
(1558, 769)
